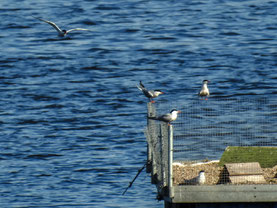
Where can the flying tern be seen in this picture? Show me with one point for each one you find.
(61, 33)
(149, 93)
(168, 118)
(204, 92)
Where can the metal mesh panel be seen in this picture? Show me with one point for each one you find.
(152, 141)
(164, 152)
(204, 130)
(157, 139)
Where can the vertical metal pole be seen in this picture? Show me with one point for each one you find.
(149, 146)
(162, 158)
(151, 141)
(170, 161)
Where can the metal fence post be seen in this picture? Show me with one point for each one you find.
(149, 147)
(151, 141)
(162, 158)
(170, 161)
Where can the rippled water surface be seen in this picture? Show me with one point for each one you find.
(71, 117)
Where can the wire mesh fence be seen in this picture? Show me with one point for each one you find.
(217, 141)
(157, 137)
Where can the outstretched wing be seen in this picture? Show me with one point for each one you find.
(75, 29)
(50, 23)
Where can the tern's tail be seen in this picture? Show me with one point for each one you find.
(140, 83)
(153, 118)
(139, 87)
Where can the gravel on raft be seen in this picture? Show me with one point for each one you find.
(213, 172)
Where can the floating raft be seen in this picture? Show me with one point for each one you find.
(244, 174)
(231, 183)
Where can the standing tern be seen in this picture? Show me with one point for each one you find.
(205, 90)
(61, 33)
(168, 118)
(201, 178)
(198, 180)
(149, 93)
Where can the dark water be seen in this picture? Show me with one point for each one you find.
(71, 117)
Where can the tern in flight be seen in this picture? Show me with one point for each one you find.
(61, 33)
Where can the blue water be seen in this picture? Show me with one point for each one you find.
(71, 117)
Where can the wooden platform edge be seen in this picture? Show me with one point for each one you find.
(224, 194)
